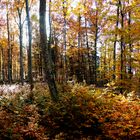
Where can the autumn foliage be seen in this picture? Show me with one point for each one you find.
(81, 112)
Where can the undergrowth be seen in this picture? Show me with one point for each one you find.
(81, 112)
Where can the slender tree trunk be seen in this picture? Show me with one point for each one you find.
(65, 43)
(40, 64)
(11, 62)
(21, 50)
(3, 70)
(105, 64)
(130, 45)
(57, 56)
(115, 42)
(90, 76)
(122, 49)
(95, 47)
(9, 52)
(89, 70)
(0, 65)
(11, 55)
(52, 50)
(30, 77)
(50, 26)
(79, 69)
(49, 75)
(79, 32)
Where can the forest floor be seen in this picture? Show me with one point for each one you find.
(81, 113)
(11, 88)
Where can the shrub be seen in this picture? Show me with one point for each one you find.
(81, 112)
(92, 113)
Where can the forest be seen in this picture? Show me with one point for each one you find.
(73, 67)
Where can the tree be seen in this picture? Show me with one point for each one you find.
(9, 51)
(30, 78)
(115, 42)
(65, 39)
(47, 62)
(19, 8)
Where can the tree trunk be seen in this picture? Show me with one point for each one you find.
(65, 43)
(30, 77)
(95, 47)
(52, 50)
(79, 69)
(3, 69)
(130, 45)
(122, 49)
(50, 26)
(47, 62)
(114, 51)
(9, 52)
(89, 73)
(21, 47)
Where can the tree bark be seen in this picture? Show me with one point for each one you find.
(3, 66)
(95, 45)
(114, 51)
(47, 62)
(65, 43)
(9, 52)
(50, 26)
(122, 46)
(21, 47)
(130, 45)
(30, 77)
(79, 69)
